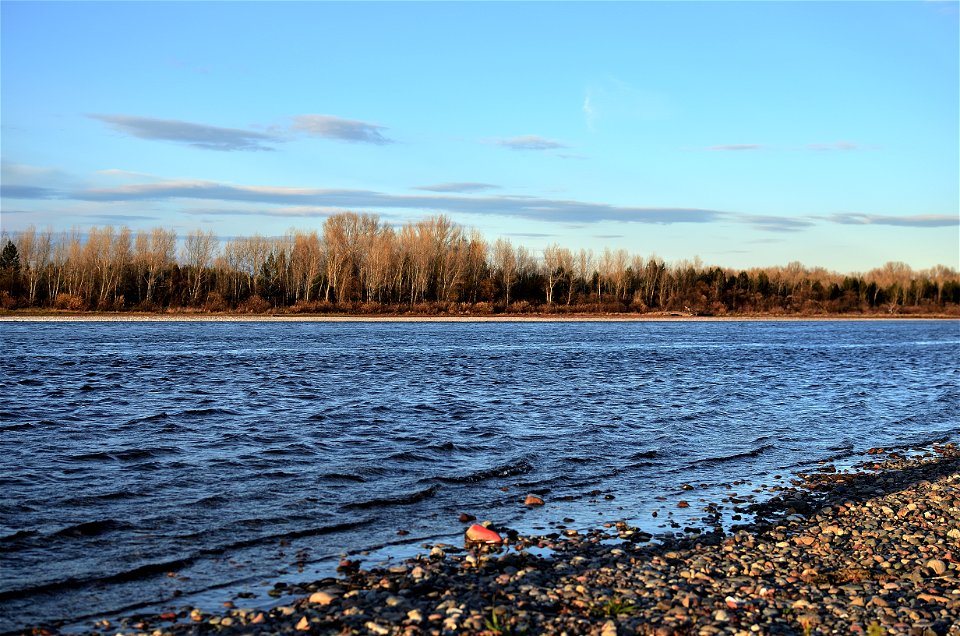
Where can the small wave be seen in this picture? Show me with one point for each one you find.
(133, 454)
(86, 500)
(408, 456)
(17, 536)
(91, 457)
(140, 572)
(91, 528)
(521, 467)
(30, 382)
(729, 458)
(343, 477)
(206, 412)
(17, 427)
(149, 418)
(125, 455)
(399, 500)
(644, 455)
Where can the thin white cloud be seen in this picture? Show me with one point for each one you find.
(196, 135)
(836, 145)
(770, 223)
(590, 112)
(737, 147)
(458, 186)
(529, 142)
(914, 220)
(339, 129)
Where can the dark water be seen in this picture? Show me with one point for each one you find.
(229, 452)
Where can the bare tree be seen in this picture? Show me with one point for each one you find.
(553, 270)
(34, 249)
(153, 254)
(505, 262)
(585, 266)
(198, 251)
(306, 261)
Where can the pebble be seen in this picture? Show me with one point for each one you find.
(828, 554)
(321, 598)
(478, 534)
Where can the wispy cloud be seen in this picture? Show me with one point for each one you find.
(463, 187)
(590, 111)
(915, 220)
(836, 145)
(529, 142)
(295, 211)
(771, 223)
(339, 129)
(524, 207)
(737, 147)
(28, 192)
(530, 235)
(192, 134)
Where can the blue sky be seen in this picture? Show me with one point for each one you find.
(748, 133)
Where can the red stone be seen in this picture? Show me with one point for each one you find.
(478, 534)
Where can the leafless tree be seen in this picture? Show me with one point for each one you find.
(198, 251)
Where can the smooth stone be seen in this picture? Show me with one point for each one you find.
(478, 534)
(321, 598)
(533, 500)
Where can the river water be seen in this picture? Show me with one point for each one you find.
(158, 462)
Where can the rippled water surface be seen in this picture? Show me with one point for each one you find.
(228, 453)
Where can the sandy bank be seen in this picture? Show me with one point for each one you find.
(133, 317)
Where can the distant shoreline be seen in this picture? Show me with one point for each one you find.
(658, 317)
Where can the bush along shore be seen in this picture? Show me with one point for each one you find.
(871, 550)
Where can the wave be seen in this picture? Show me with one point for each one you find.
(140, 572)
(91, 528)
(85, 500)
(520, 467)
(25, 426)
(408, 456)
(650, 454)
(400, 500)
(729, 458)
(210, 411)
(125, 455)
(148, 418)
(343, 477)
(16, 536)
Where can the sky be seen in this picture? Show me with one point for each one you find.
(747, 134)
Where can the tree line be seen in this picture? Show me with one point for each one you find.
(358, 264)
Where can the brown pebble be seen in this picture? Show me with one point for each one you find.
(683, 504)
(303, 625)
(533, 500)
(466, 518)
(321, 598)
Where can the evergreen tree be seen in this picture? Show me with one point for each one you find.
(10, 257)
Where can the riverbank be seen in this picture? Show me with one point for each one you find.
(527, 317)
(872, 550)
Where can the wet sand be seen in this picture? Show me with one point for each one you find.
(874, 549)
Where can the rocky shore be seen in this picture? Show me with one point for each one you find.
(871, 550)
